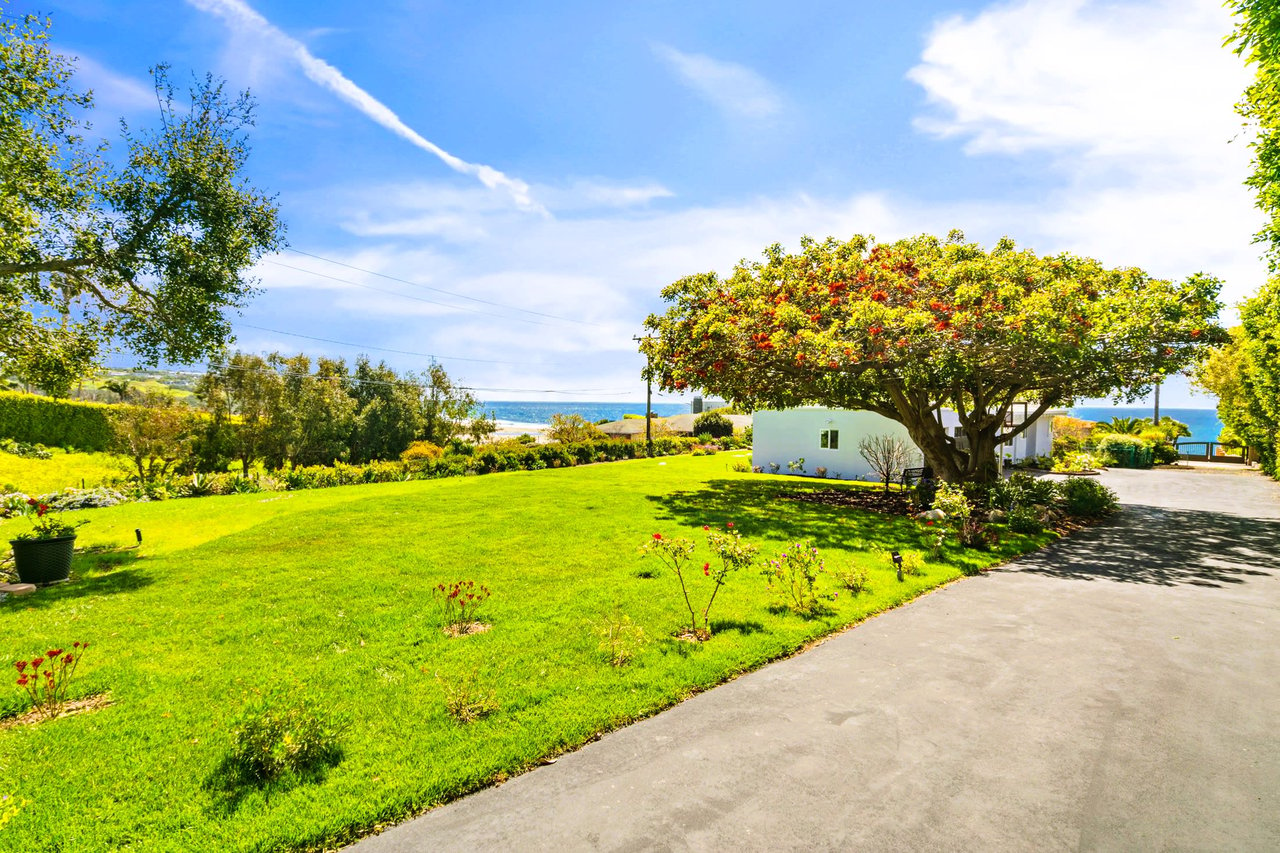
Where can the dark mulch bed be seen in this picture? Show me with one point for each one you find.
(893, 503)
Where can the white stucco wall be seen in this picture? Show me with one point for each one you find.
(785, 436)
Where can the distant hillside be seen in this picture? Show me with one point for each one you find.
(179, 384)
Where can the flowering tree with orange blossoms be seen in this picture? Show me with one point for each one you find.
(906, 329)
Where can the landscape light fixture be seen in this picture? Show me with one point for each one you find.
(897, 562)
(137, 531)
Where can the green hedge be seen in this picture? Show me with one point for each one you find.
(56, 423)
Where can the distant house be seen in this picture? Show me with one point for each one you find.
(632, 429)
(828, 438)
(683, 424)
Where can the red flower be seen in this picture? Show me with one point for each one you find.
(730, 524)
(657, 537)
(53, 653)
(706, 569)
(21, 665)
(22, 681)
(875, 330)
(35, 664)
(32, 502)
(928, 524)
(706, 527)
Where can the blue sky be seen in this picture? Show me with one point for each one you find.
(558, 163)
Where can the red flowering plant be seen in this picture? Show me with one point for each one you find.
(731, 554)
(460, 603)
(47, 678)
(999, 336)
(46, 524)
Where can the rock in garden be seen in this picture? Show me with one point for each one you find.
(997, 516)
(18, 588)
(932, 515)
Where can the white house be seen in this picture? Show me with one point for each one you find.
(828, 438)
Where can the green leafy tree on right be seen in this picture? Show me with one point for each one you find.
(907, 328)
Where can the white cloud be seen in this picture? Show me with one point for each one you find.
(732, 88)
(245, 20)
(1163, 193)
(1132, 102)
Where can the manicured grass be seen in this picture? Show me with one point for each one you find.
(327, 594)
(41, 476)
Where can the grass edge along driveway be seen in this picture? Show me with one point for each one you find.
(325, 595)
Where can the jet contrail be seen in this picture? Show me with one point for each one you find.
(239, 13)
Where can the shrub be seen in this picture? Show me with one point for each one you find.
(1020, 490)
(25, 450)
(1079, 461)
(60, 423)
(713, 424)
(270, 741)
(951, 499)
(1124, 451)
(1164, 454)
(620, 638)
(793, 575)
(71, 499)
(571, 429)
(1024, 519)
(855, 579)
(731, 552)
(973, 533)
(1070, 434)
(1087, 498)
(740, 467)
(420, 452)
(912, 562)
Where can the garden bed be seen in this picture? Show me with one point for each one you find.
(870, 500)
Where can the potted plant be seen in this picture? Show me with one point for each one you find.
(42, 555)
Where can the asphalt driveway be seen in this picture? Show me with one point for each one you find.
(1119, 690)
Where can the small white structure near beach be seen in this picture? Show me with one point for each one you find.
(828, 438)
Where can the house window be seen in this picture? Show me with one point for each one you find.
(830, 439)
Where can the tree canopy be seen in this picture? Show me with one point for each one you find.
(908, 328)
(150, 252)
(1245, 374)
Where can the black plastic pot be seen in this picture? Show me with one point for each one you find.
(42, 561)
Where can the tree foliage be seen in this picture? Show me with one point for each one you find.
(908, 328)
(155, 436)
(1256, 37)
(148, 253)
(285, 409)
(1245, 374)
(571, 429)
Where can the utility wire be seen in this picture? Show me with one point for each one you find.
(439, 290)
(401, 351)
(405, 295)
(410, 384)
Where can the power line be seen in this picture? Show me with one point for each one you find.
(403, 295)
(401, 351)
(402, 382)
(440, 290)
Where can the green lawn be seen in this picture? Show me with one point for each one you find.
(326, 593)
(41, 476)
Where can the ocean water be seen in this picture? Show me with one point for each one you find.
(539, 413)
(1204, 423)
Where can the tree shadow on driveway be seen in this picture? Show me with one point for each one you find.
(1166, 547)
